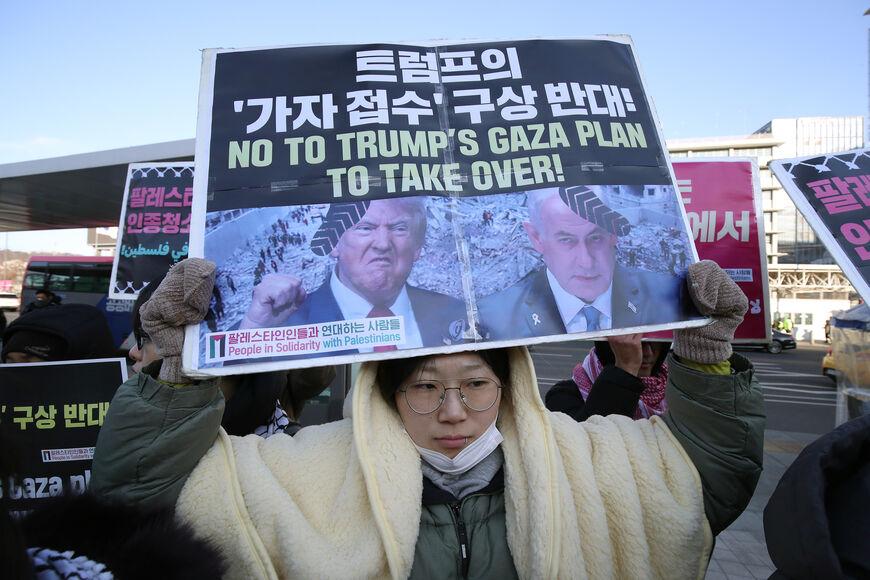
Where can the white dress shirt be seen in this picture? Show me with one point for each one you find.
(354, 306)
(569, 306)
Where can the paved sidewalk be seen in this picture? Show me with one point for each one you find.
(740, 550)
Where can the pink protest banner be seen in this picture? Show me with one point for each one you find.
(722, 198)
(832, 192)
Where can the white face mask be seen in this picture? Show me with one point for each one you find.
(473, 454)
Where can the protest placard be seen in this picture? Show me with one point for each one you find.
(832, 192)
(155, 225)
(51, 413)
(722, 198)
(375, 199)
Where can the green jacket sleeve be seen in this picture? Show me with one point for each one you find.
(153, 436)
(719, 420)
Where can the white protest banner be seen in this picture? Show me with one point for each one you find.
(376, 201)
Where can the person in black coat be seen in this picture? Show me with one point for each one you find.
(60, 333)
(42, 299)
(627, 361)
(817, 521)
(581, 287)
(375, 245)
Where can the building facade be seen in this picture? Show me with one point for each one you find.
(805, 282)
(103, 240)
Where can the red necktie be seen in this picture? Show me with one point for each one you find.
(380, 312)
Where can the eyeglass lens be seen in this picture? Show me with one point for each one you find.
(478, 394)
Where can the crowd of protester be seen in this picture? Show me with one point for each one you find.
(636, 463)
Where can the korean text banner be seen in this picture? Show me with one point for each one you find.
(723, 202)
(52, 413)
(155, 225)
(375, 199)
(832, 192)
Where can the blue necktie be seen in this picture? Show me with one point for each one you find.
(591, 314)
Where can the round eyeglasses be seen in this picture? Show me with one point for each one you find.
(427, 396)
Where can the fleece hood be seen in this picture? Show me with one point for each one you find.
(610, 497)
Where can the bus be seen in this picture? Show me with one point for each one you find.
(79, 280)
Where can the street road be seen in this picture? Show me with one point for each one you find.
(797, 397)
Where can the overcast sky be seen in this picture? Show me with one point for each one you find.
(93, 75)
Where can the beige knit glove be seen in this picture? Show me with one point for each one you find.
(716, 295)
(182, 298)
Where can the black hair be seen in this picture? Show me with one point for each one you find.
(607, 358)
(392, 373)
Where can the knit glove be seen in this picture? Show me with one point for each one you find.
(182, 298)
(716, 295)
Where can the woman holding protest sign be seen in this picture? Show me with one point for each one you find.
(446, 465)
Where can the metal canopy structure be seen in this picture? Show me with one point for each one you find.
(76, 191)
(808, 277)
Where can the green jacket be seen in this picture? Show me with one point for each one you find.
(475, 527)
(154, 435)
(137, 457)
(157, 469)
(729, 445)
(719, 421)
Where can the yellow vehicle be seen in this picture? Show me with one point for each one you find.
(850, 343)
(828, 368)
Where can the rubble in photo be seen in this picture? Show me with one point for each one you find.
(489, 230)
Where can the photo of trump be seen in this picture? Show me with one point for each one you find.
(581, 286)
(375, 245)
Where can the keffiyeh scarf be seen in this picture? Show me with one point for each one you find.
(277, 423)
(652, 399)
(50, 564)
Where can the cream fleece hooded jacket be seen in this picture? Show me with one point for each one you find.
(607, 498)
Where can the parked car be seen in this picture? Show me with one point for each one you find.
(9, 302)
(779, 342)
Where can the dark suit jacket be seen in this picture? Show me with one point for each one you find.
(529, 309)
(442, 320)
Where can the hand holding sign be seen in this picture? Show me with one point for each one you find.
(182, 298)
(716, 295)
(628, 351)
(274, 300)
